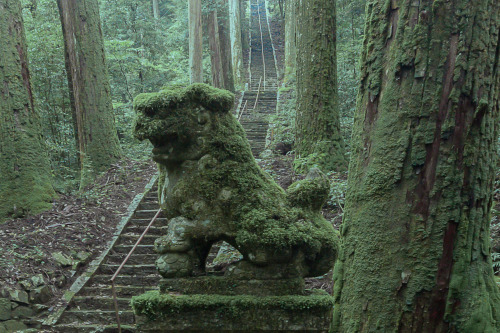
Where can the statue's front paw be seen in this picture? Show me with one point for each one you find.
(172, 265)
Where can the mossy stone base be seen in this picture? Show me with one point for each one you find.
(221, 285)
(158, 312)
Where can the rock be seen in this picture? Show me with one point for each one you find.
(26, 284)
(83, 256)
(19, 296)
(40, 295)
(37, 280)
(62, 259)
(22, 312)
(5, 309)
(14, 325)
(39, 307)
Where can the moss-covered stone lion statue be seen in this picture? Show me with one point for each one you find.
(212, 189)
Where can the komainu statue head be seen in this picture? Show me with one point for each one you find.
(212, 189)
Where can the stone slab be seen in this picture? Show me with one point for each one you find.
(157, 312)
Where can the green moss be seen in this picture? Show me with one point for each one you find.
(208, 174)
(25, 175)
(156, 306)
(226, 285)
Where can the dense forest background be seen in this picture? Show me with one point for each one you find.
(148, 49)
(143, 54)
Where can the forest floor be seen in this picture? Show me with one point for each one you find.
(60, 243)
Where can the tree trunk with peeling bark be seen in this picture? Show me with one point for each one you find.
(318, 135)
(416, 254)
(195, 41)
(89, 87)
(215, 49)
(225, 45)
(25, 175)
(236, 47)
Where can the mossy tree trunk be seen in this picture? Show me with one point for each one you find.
(416, 230)
(237, 51)
(290, 45)
(25, 175)
(195, 41)
(89, 87)
(317, 121)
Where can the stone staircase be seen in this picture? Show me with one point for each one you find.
(92, 308)
(254, 117)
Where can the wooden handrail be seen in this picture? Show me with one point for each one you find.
(115, 301)
(243, 110)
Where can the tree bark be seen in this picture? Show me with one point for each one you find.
(290, 45)
(89, 86)
(25, 175)
(215, 49)
(195, 41)
(225, 44)
(156, 10)
(237, 52)
(317, 120)
(416, 230)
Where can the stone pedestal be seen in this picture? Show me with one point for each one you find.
(216, 303)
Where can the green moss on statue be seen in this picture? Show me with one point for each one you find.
(212, 189)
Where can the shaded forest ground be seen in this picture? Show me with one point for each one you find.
(76, 229)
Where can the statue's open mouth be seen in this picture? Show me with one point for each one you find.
(163, 147)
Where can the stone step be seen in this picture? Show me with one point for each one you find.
(140, 249)
(145, 213)
(128, 280)
(134, 258)
(149, 205)
(121, 291)
(139, 229)
(99, 302)
(139, 221)
(131, 239)
(91, 328)
(127, 269)
(105, 317)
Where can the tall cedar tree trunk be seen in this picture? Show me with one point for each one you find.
(89, 87)
(317, 121)
(156, 10)
(215, 49)
(225, 45)
(416, 230)
(290, 45)
(195, 41)
(237, 52)
(25, 175)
